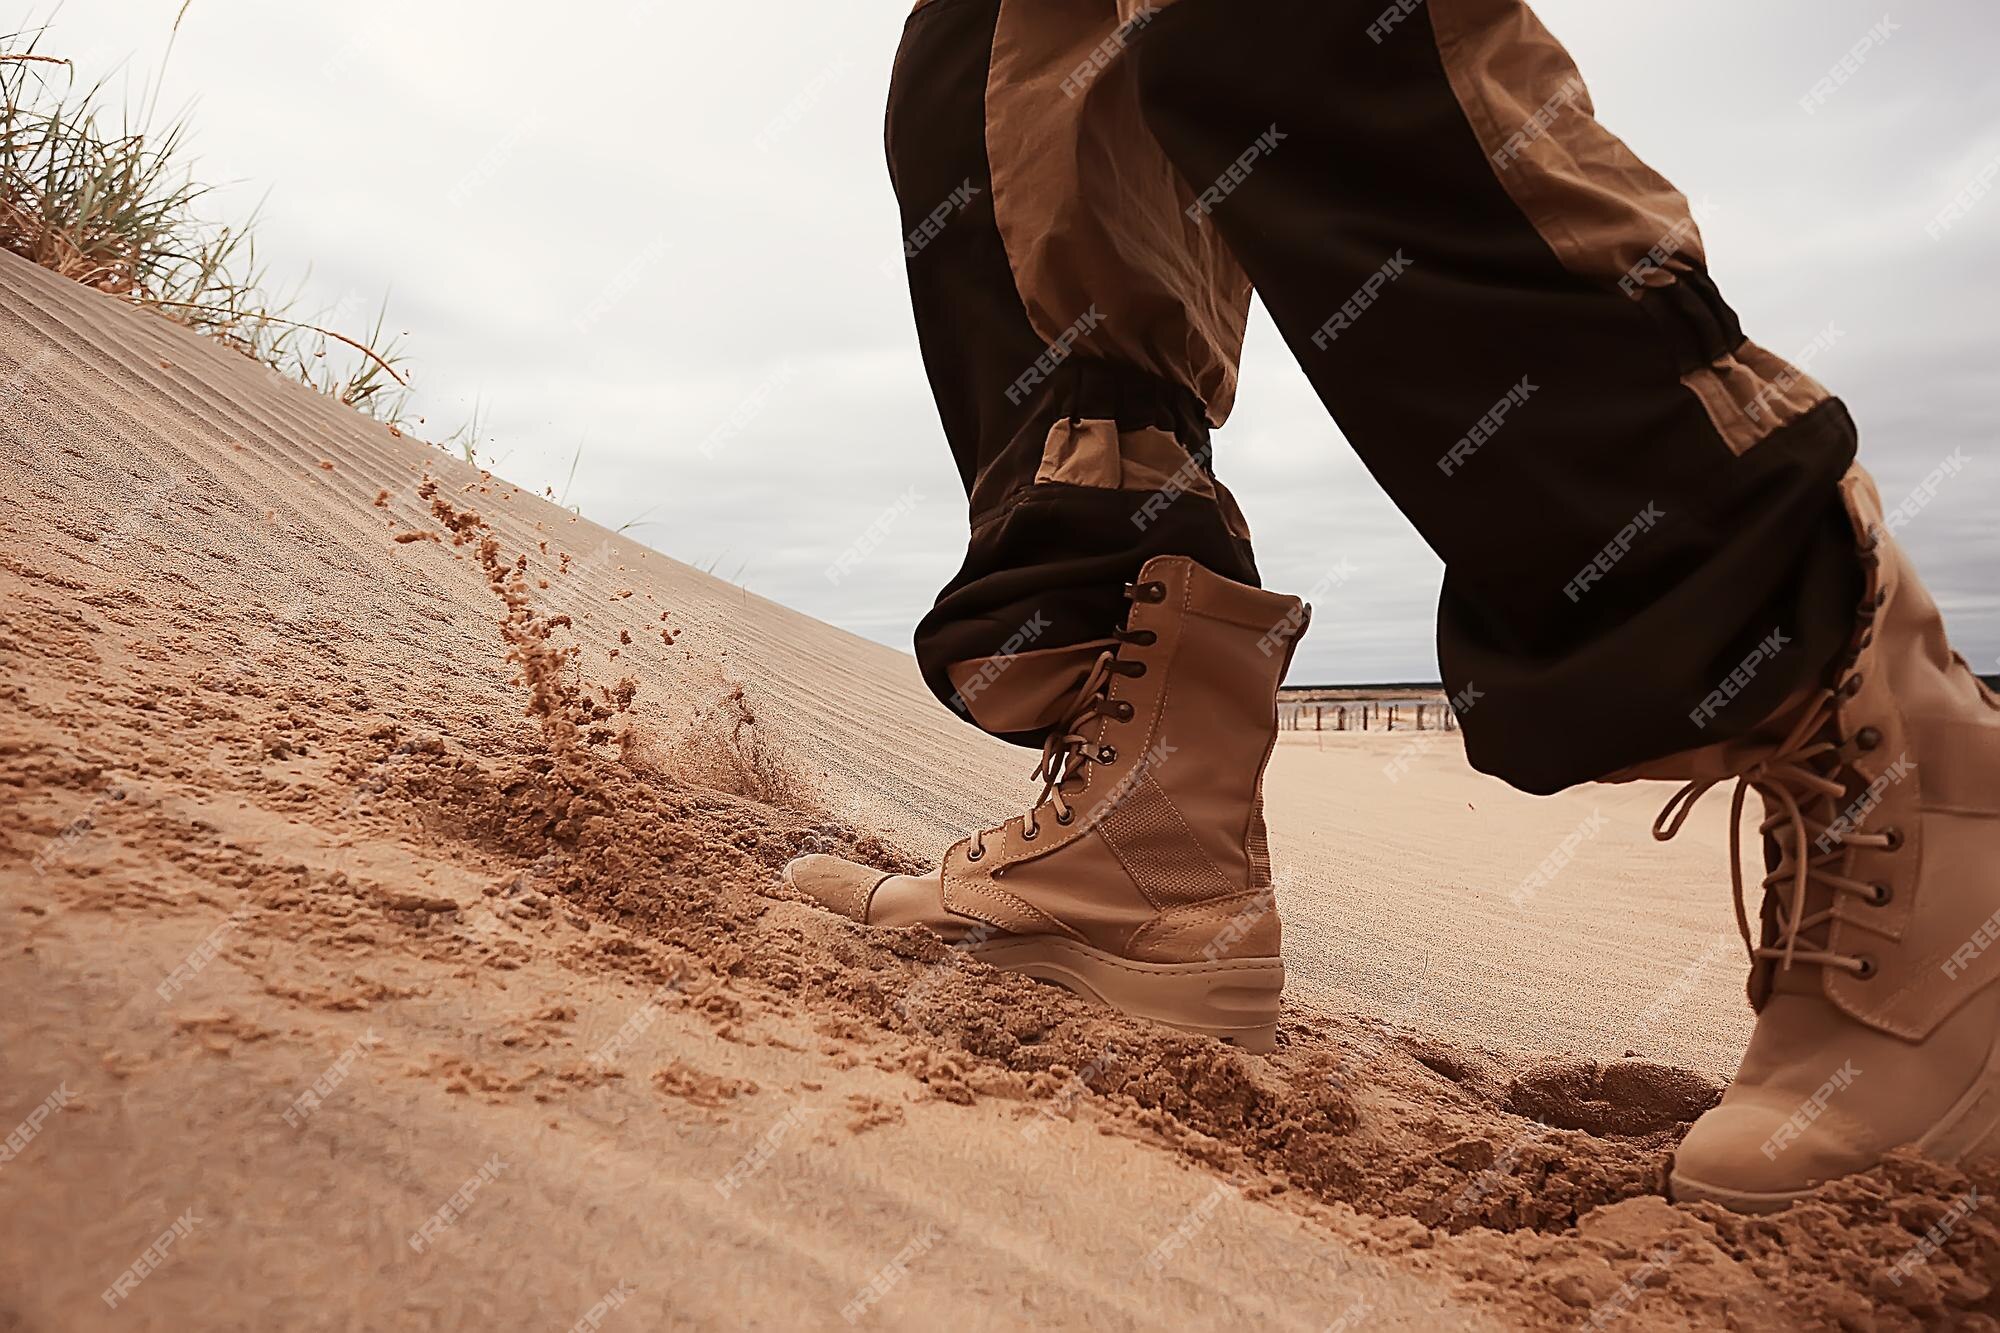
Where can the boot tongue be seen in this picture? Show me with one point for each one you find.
(1780, 855)
(1071, 759)
(1026, 691)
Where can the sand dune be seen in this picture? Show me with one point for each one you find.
(1414, 884)
(343, 991)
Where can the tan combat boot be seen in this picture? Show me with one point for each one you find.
(1874, 967)
(1140, 879)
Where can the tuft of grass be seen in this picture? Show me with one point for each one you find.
(112, 203)
(465, 440)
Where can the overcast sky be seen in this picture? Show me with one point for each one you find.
(663, 233)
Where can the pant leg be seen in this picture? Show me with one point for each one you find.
(1511, 318)
(1081, 335)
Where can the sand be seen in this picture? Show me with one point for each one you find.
(391, 938)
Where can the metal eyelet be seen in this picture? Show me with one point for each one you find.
(1879, 895)
(1124, 712)
(1867, 969)
(1066, 820)
(974, 856)
(1107, 754)
(1895, 837)
(1153, 592)
(1029, 832)
(1852, 686)
(1868, 738)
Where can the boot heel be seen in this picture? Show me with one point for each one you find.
(1971, 1129)
(1234, 1000)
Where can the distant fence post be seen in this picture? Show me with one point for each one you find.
(1399, 709)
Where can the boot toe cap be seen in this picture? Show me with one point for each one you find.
(1754, 1155)
(836, 884)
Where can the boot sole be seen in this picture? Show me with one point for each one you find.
(1972, 1125)
(1686, 1189)
(1233, 999)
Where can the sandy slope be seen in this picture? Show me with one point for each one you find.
(274, 813)
(1401, 868)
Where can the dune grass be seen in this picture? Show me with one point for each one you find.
(112, 202)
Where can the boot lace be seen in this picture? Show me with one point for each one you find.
(1802, 783)
(1068, 750)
